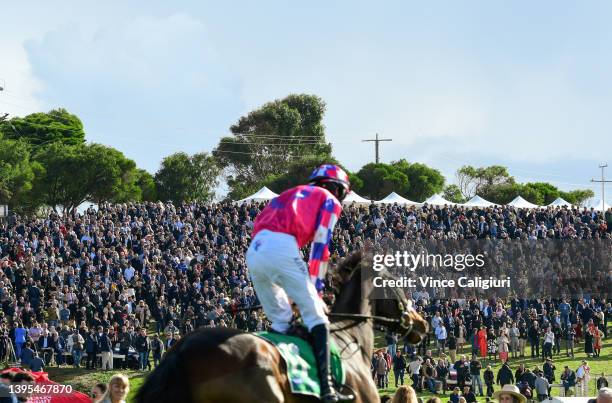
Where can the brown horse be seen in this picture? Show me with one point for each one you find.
(228, 365)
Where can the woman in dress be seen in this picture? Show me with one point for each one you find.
(481, 338)
(502, 344)
(597, 335)
(588, 341)
(491, 345)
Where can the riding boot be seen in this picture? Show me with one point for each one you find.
(320, 335)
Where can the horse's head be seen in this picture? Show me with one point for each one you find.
(405, 319)
(392, 310)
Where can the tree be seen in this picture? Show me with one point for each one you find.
(187, 178)
(17, 173)
(424, 181)
(543, 193)
(266, 141)
(578, 196)
(453, 193)
(39, 129)
(470, 180)
(75, 174)
(381, 179)
(146, 182)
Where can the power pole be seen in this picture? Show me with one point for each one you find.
(376, 142)
(603, 182)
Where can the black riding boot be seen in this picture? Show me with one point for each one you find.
(320, 335)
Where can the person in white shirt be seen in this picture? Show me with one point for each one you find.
(128, 273)
(583, 376)
(441, 335)
(549, 342)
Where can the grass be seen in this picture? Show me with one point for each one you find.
(598, 365)
(83, 380)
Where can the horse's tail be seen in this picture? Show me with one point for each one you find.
(167, 383)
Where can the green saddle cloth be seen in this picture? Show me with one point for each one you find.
(301, 363)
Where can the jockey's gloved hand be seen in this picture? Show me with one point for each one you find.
(319, 285)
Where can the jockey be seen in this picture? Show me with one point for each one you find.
(305, 213)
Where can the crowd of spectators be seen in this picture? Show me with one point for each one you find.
(83, 286)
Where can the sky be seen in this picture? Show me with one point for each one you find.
(522, 84)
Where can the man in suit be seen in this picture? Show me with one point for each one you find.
(45, 346)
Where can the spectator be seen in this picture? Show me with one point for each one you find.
(106, 348)
(20, 339)
(541, 387)
(118, 389)
(441, 337)
(583, 376)
(469, 395)
(404, 394)
(604, 395)
(455, 395)
(143, 346)
(37, 364)
(504, 375)
(414, 369)
(475, 368)
(27, 354)
(381, 368)
(78, 346)
(568, 378)
(97, 392)
(509, 394)
(442, 373)
(489, 379)
(91, 349)
(157, 348)
(399, 368)
(24, 379)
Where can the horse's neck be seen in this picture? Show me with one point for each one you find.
(351, 301)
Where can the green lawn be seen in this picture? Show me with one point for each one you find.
(598, 365)
(83, 380)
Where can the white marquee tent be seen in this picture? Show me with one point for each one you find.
(437, 200)
(559, 202)
(353, 197)
(263, 194)
(478, 201)
(597, 205)
(519, 202)
(395, 198)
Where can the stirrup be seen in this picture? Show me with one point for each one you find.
(334, 396)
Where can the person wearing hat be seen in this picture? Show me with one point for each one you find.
(509, 394)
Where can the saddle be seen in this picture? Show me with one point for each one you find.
(296, 350)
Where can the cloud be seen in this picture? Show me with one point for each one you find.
(148, 85)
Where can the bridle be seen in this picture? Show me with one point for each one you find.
(405, 321)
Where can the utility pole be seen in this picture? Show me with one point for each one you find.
(603, 182)
(376, 142)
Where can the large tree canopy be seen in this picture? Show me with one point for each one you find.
(75, 174)
(269, 139)
(187, 178)
(39, 129)
(17, 173)
(471, 180)
(414, 181)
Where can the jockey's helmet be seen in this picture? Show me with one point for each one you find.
(332, 178)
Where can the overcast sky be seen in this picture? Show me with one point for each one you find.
(519, 83)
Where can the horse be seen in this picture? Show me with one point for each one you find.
(214, 365)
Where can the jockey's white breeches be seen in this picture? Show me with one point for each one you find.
(278, 273)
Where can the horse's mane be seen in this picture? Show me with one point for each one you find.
(343, 272)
